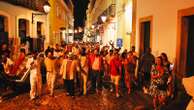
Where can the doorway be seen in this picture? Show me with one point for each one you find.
(23, 30)
(3, 30)
(185, 45)
(145, 33)
(190, 46)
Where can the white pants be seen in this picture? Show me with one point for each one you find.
(35, 84)
(50, 77)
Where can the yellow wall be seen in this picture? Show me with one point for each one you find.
(58, 18)
(164, 14)
(124, 21)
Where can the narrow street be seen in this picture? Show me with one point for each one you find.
(96, 54)
(104, 100)
(101, 101)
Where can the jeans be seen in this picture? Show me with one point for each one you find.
(70, 87)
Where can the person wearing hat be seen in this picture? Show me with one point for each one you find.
(68, 70)
(33, 63)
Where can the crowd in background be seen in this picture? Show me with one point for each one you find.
(89, 66)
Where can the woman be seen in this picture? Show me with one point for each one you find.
(169, 77)
(132, 65)
(157, 88)
(165, 61)
(125, 70)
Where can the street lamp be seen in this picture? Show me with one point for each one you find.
(103, 18)
(46, 8)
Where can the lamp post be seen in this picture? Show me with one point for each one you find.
(46, 8)
(103, 18)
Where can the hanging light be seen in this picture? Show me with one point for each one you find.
(93, 26)
(75, 31)
(47, 7)
(103, 18)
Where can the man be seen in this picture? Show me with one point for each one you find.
(5, 50)
(51, 72)
(146, 62)
(96, 69)
(57, 51)
(68, 71)
(115, 70)
(35, 76)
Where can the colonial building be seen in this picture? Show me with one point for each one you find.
(61, 20)
(117, 24)
(17, 23)
(26, 20)
(167, 26)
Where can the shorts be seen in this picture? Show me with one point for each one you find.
(115, 79)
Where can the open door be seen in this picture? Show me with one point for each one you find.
(145, 33)
(185, 45)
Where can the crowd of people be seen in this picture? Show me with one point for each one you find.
(90, 66)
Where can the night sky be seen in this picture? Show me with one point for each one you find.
(80, 7)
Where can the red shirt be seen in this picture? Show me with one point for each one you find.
(115, 66)
(91, 59)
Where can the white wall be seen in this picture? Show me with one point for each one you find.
(14, 13)
(164, 14)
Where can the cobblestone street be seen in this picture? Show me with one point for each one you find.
(101, 101)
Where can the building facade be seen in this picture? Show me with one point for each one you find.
(25, 20)
(61, 21)
(17, 25)
(167, 26)
(118, 24)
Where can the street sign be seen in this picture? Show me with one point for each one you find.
(119, 42)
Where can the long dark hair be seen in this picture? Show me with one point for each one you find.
(165, 56)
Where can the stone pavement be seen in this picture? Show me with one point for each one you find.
(102, 101)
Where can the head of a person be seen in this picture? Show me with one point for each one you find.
(148, 50)
(111, 52)
(3, 46)
(48, 47)
(83, 51)
(70, 56)
(4, 58)
(22, 50)
(50, 54)
(164, 56)
(116, 53)
(124, 55)
(96, 52)
(40, 57)
(159, 61)
(34, 54)
(57, 46)
(125, 51)
(133, 48)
